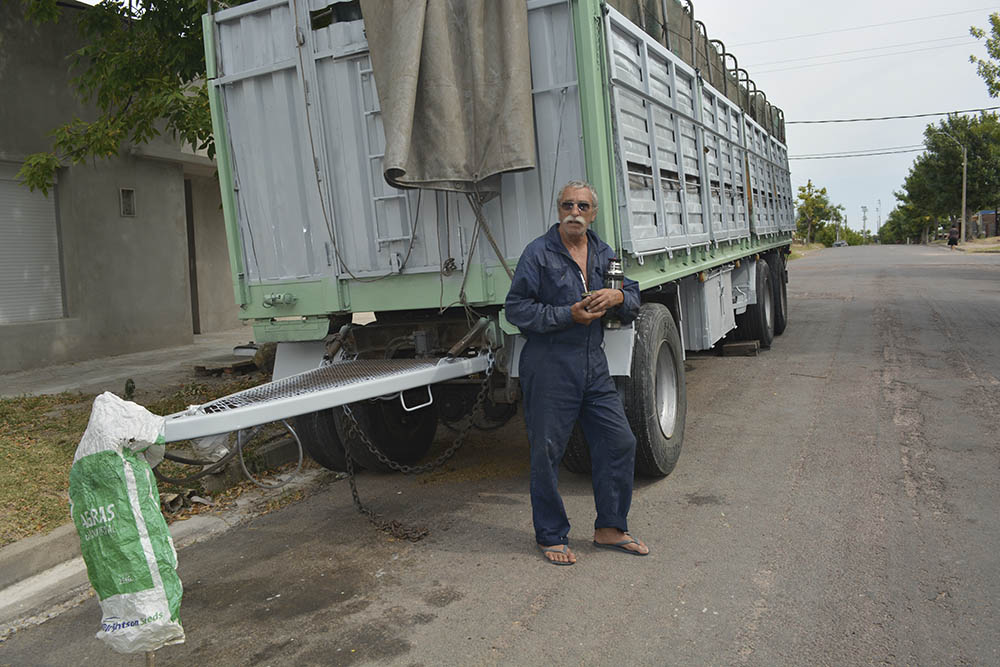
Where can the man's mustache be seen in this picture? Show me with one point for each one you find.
(575, 218)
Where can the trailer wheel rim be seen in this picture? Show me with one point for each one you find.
(666, 390)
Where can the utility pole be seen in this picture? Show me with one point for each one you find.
(878, 210)
(864, 225)
(965, 164)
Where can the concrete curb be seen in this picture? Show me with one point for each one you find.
(43, 575)
(28, 557)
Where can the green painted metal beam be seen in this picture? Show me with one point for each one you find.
(661, 269)
(595, 112)
(224, 164)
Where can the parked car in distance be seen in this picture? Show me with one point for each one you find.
(839, 244)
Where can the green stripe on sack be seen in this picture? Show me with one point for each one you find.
(106, 525)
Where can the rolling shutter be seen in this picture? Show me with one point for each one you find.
(30, 272)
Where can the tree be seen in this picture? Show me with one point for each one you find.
(905, 223)
(142, 66)
(814, 210)
(932, 191)
(988, 68)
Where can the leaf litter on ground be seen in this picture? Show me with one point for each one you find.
(39, 435)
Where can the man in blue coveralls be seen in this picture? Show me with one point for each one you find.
(565, 377)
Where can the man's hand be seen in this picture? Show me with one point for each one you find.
(603, 299)
(583, 313)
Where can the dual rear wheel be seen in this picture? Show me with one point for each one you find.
(757, 322)
(404, 437)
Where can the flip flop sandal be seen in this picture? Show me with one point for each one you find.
(561, 549)
(620, 546)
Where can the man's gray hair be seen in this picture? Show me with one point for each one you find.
(576, 185)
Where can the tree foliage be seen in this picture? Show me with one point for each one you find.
(838, 232)
(814, 212)
(907, 223)
(142, 68)
(988, 68)
(931, 196)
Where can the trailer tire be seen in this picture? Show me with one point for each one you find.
(777, 262)
(403, 437)
(577, 456)
(655, 395)
(317, 432)
(757, 323)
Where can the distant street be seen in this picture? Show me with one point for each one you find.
(836, 503)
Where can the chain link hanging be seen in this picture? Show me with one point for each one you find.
(394, 527)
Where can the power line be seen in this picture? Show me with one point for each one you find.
(844, 53)
(851, 60)
(861, 150)
(864, 120)
(863, 27)
(837, 157)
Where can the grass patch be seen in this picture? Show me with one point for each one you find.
(803, 250)
(38, 437)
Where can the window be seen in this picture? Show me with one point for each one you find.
(127, 199)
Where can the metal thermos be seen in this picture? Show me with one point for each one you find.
(614, 278)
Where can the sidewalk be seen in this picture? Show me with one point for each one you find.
(153, 369)
(44, 574)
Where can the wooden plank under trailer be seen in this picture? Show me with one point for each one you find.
(324, 387)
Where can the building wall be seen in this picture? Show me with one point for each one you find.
(126, 278)
(217, 307)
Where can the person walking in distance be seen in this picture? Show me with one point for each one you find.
(557, 300)
(953, 237)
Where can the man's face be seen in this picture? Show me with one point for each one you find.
(576, 212)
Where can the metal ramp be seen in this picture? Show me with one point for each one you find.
(324, 387)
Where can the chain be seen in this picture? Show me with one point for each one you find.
(393, 527)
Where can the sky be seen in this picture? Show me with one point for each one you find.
(780, 43)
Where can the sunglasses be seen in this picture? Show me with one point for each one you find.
(568, 206)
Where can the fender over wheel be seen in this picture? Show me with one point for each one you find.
(757, 323)
(655, 395)
(317, 432)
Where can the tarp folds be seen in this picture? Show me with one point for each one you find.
(454, 85)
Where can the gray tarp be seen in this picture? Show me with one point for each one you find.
(454, 85)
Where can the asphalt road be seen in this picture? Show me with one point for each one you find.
(835, 503)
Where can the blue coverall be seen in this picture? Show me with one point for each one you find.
(565, 378)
